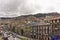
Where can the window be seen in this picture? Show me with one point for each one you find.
(34, 30)
(50, 21)
(53, 21)
(46, 30)
(50, 29)
(57, 20)
(34, 36)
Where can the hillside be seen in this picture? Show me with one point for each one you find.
(39, 15)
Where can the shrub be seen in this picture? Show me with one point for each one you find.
(24, 39)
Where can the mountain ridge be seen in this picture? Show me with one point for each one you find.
(36, 15)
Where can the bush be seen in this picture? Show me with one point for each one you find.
(24, 39)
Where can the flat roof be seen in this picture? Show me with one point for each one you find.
(39, 24)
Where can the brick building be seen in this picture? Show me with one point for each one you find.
(44, 30)
(40, 31)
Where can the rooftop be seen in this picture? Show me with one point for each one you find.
(38, 23)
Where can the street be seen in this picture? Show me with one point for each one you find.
(10, 36)
(5, 34)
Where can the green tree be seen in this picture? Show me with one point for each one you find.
(13, 29)
(27, 29)
(24, 39)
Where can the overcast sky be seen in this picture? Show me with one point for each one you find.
(24, 7)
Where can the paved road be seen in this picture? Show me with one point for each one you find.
(14, 36)
(10, 36)
(19, 36)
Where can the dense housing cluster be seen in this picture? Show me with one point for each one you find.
(41, 28)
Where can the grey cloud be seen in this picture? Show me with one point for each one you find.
(15, 7)
(10, 7)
